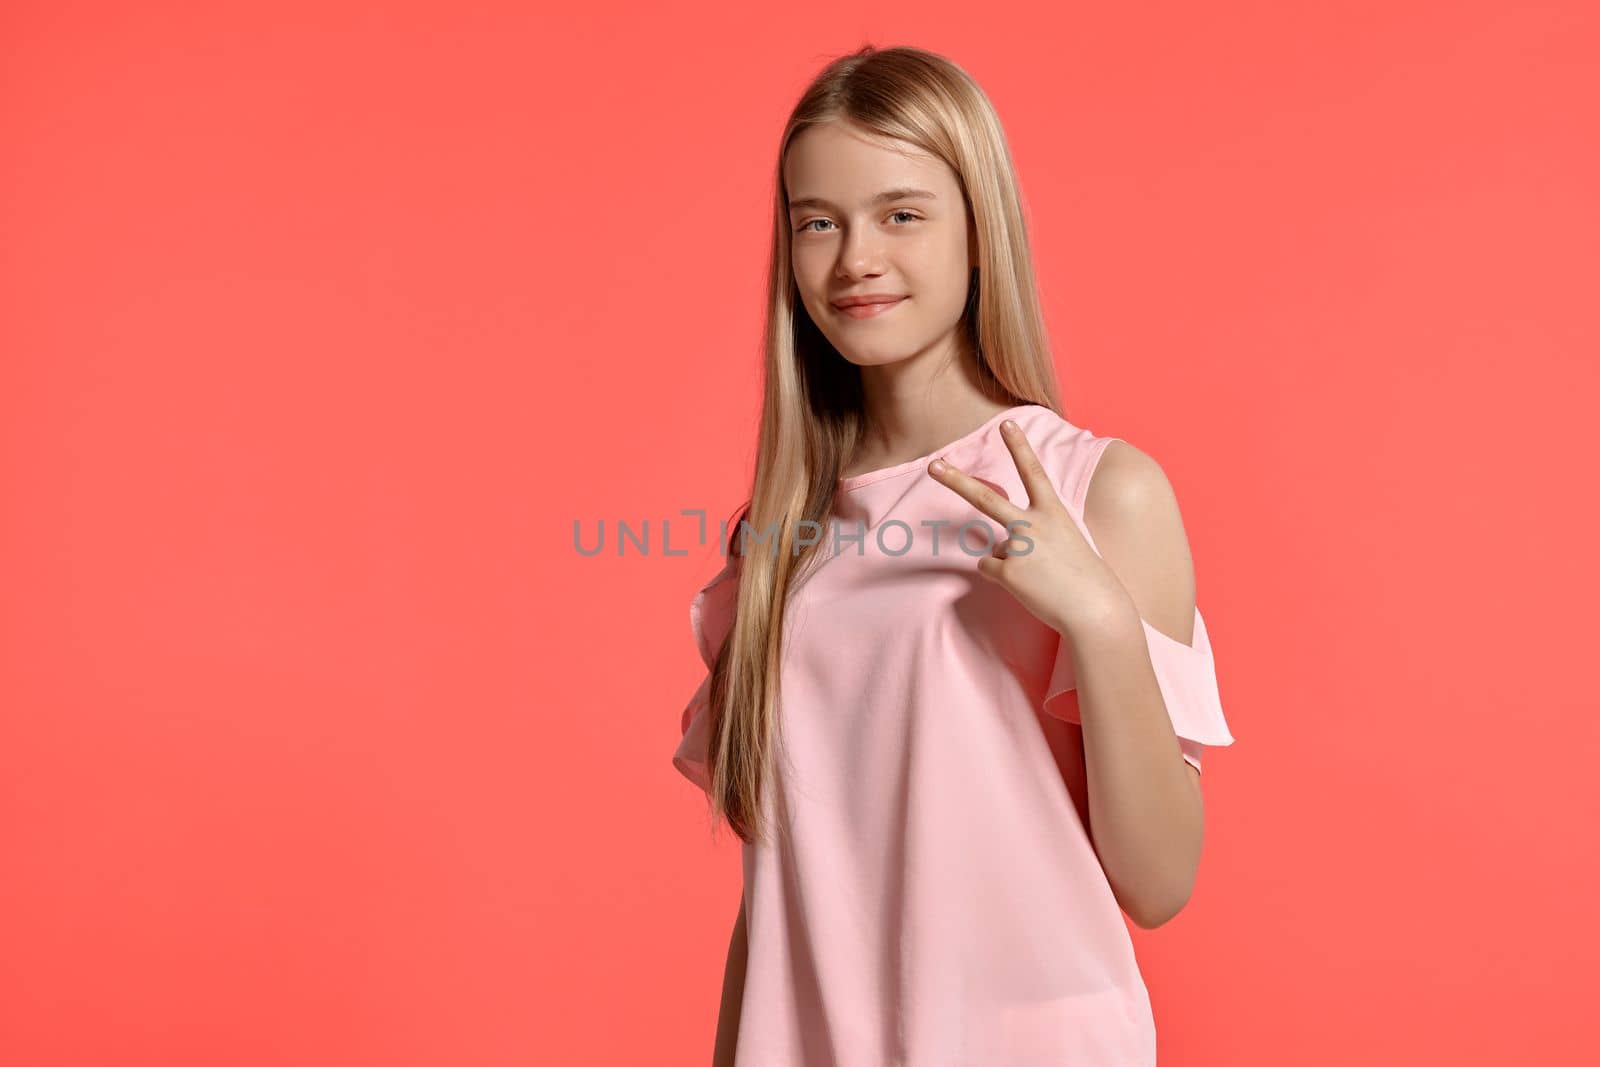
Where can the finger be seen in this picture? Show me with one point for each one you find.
(976, 493)
(1017, 539)
(1004, 547)
(1034, 477)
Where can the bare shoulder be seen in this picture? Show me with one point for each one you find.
(1132, 513)
(1128, 483)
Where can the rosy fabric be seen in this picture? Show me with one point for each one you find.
(932, 897)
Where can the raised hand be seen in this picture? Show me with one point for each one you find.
(1047, 564)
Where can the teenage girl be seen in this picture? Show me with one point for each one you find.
(957, 686)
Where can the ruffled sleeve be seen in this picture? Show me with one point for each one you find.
(1187, 676)
(710, 619)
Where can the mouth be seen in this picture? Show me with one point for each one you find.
(872, 310)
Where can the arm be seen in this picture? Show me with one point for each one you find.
(732, 993)
(1146, 800)
(1102, 596)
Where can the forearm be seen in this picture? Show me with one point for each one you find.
(732, 993)
(1146, 813)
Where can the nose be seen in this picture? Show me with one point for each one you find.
(860, 253)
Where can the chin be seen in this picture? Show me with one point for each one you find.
(877, 356)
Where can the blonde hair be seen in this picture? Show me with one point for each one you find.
(812, 414)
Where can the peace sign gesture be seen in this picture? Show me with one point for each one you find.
(1047, 563)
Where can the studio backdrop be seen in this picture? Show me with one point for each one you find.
(330, 332)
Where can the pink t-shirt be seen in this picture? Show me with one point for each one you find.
(931, 897)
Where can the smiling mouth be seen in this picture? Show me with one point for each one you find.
(868, 311)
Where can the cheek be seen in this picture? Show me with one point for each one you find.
(810, 272)
(937, 264)
(940, 285)
(802, 282)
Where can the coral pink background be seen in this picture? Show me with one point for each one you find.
(320, 324)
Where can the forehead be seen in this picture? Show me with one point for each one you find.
(847, 165)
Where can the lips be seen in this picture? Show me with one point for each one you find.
(872, 298)
(871, 307)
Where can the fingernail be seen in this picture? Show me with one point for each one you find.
(937, 466)
(1009, 424)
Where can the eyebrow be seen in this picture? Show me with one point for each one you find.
(905, 193)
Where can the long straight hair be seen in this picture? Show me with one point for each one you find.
(812, 414)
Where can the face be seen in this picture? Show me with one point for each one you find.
(874, 218)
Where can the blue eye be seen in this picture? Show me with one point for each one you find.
(806, 228)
